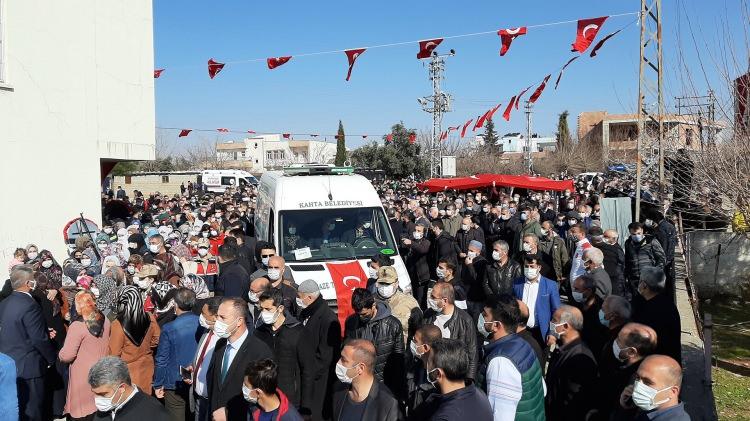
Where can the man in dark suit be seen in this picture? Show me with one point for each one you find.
(572, 369)
(325, 338)
(25, 339)
(233, 277)
(540, 294)
(233, 352)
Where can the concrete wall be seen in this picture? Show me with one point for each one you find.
(147, 184)
(733, 275)
(78, 89)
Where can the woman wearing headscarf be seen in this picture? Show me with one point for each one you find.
(162, 294)
(32, 252)
(104, 289)
(122, 243)
(52, 310)
(47, 265)
(87, 341)
(196, 284)
(134, 336)
(137, 245)
(110, 262)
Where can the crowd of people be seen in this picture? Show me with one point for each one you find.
(520, 306)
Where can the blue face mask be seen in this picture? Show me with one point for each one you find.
(602, 320)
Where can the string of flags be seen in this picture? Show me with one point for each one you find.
(586, 31)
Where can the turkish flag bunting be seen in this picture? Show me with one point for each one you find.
(157, 73)
(389, 138)
(506, 114)
(286, 135)
(313, 135)
(184, 132)
(426, 47)
(480, 121)
(251, 132)
(450, 129)
(466, 125)
(412, 138)
(557, 82)
(346, 278)
(214, 67)
(492, 111)
(444, 136)
(538, 92)
(586, 32)
(518, 97)
(275, 62)
(508, 35)
(222, 130)
(602, 41)
(352, 56)
(364, 136)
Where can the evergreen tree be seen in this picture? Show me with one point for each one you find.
(564, 141)
(490, 135)
(340, 146)
(398, 158)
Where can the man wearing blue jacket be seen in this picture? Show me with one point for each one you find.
(541, 295)
(177, 345)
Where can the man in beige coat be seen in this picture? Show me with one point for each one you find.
(403, 306)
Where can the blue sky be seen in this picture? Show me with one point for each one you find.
(309, 94)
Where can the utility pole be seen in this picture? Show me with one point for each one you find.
(437, 104)
(527, 156)
(706, 106)
(650, 98)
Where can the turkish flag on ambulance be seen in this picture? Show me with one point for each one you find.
(346, 277)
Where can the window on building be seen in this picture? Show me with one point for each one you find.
(243, 154)
(689, 137)
(165, 179)
(269, 155)
(128, 179)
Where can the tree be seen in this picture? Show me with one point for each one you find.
(399, 158)
(340, 146)
(125, 168)
(564, 141)
(490, 135)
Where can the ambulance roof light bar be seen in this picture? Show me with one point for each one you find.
(316, 169)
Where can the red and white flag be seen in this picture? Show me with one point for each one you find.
(539, 89)
(508, 35)
(222, 130)
(352, 56)
(426, 47)
(466, 125)
(586, 32)
(184, 132)
(602, 41)
(251, 132)
(286, 135)
(518, 97)
(412, 138)
(389, 138)
(450, 129)
(274, 62)
(444, 136)
(346, 278)
(508, 109)
(487, 116)
(214, 67)
(557, 82)
(157, 73)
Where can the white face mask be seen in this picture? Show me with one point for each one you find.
(366, 225)
(471, 254)
(131, 269)
(143, 284)
(95, 291)
(203, 322)
(32, 255)
(644, 395)
(300, 303)
(440, 272)
(47, 264)
(274, 274)
(154, 248)
(269, 317)
(578, 296)
(526, 247)
(253, 296)
(415, 349)
(530, 273)
(246, 394)
(264, 260)
(221, 329)
(372, 272)
(133, 245)
(292, 230)
(104, 403)
(107, 230)
(202, 251)
(387, 291)
(433, 305)
(341, 371)
(496, 255)
(465, 227)
(572, 222)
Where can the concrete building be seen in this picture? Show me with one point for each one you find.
(76, 96)
(259, 153)
(516, 142)
(152, 182)
(617, 133)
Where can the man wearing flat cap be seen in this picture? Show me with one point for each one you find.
(403, 306)
(473, 275)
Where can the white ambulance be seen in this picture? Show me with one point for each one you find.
(218, 181)
(327, 223)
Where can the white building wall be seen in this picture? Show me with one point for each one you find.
(78, 88)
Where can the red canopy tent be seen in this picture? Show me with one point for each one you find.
(485, 180)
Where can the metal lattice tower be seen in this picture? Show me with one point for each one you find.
(437, 104)
(527, 155)
(650, 141)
